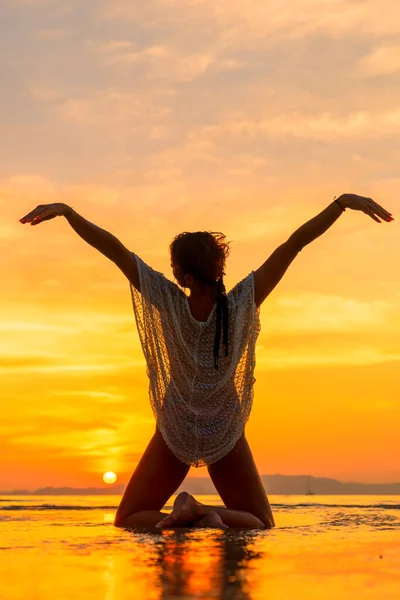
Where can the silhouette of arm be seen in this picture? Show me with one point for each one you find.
(271, 272)
(106, 243)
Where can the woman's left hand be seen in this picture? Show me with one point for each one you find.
(366, 205)
(44, 212)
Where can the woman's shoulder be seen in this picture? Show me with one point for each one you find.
(243, 286)
(155, 286)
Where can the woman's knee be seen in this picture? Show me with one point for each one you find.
(120, 518)
(118, 521)
(268, 521)
(265, 518)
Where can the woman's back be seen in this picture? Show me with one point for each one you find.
(201, 412)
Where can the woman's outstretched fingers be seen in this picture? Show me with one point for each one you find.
(41, 217)
(380, 211)
(44, 212)
(368, 206)
(31, 215)
(371, 213)
(380, 208)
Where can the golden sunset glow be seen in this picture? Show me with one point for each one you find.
(245, 118)
(109, 477)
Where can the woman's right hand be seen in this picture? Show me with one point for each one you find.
(366, 205)
(44, 212)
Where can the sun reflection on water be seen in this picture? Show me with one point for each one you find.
(72, 550)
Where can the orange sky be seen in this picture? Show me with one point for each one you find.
(151, 120)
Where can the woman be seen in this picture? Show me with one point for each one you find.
(201, 401)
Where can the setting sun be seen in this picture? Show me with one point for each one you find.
(109, 477)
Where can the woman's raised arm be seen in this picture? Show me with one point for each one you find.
(99, 238)
(104, 241)
(271, 272)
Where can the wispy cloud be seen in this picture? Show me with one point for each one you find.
(163, 63)
(312, 312)
(326, 126)
(279, 17)
(383, 59)
(113, 46)
(55, 33)
(111, 107)
(25, 185)
(31, 365)
(300, 357)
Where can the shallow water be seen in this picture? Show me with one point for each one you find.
(323, 547)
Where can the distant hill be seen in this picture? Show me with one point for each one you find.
(274, 484)
(292, 484)
(300, 484)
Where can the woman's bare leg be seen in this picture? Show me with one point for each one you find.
(156, 478)
(159, 474)
(239, 484)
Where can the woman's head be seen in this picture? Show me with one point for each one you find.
(199, 257)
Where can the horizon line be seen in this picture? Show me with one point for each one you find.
(119, 484)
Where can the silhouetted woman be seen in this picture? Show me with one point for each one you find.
(201, 398)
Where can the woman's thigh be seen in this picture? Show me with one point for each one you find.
(157, 476)
(239, 484)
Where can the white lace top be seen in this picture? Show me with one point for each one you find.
(201, 412)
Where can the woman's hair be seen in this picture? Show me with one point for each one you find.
(203, 255)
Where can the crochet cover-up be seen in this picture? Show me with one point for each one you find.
(201, 412)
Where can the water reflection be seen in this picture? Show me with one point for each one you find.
(192, 564)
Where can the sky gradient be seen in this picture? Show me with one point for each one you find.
(167, 116)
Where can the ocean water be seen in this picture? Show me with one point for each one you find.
(323, 547)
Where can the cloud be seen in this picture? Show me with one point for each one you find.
(111, 107)
(27, 185)
(383, 59)
(52, 282)
(30, 326)
(94, 394)
(229, 64)
(52, 34)
(259, 223)
(357, 125)
(113, 45)
(47, 94)
(148, 54)
(44, 342)
(209, 81)
(306, 357)
(162, 63)
(28, 365)
(279, 18)
(308, 312)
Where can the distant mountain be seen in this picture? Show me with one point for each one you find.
(292, 484)
(300, 484)
(274, 484)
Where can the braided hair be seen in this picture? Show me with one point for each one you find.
(203, 254)
(222, 311)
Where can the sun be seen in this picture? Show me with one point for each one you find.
(109, 477)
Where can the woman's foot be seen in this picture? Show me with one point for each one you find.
(211, 519)
(186, 510)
